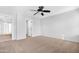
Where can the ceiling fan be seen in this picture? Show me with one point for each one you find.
(41, 10)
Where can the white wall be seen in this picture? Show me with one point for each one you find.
(36, 30)
(19, 25)
(63, 26)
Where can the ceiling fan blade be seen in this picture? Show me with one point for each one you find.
(46, 11)
(35, 13)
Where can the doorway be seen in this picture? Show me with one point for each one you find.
(5, 31)
(28, 28)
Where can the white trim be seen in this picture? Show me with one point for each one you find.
(33, 35)
(55, 36)
(73, 40)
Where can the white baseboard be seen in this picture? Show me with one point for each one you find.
(55, 36)
(34, 35)
(73, 40)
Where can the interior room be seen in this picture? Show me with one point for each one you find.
(39, 29)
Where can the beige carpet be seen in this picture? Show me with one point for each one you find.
(39, 44)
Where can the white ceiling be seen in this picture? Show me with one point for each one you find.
(8, 12)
